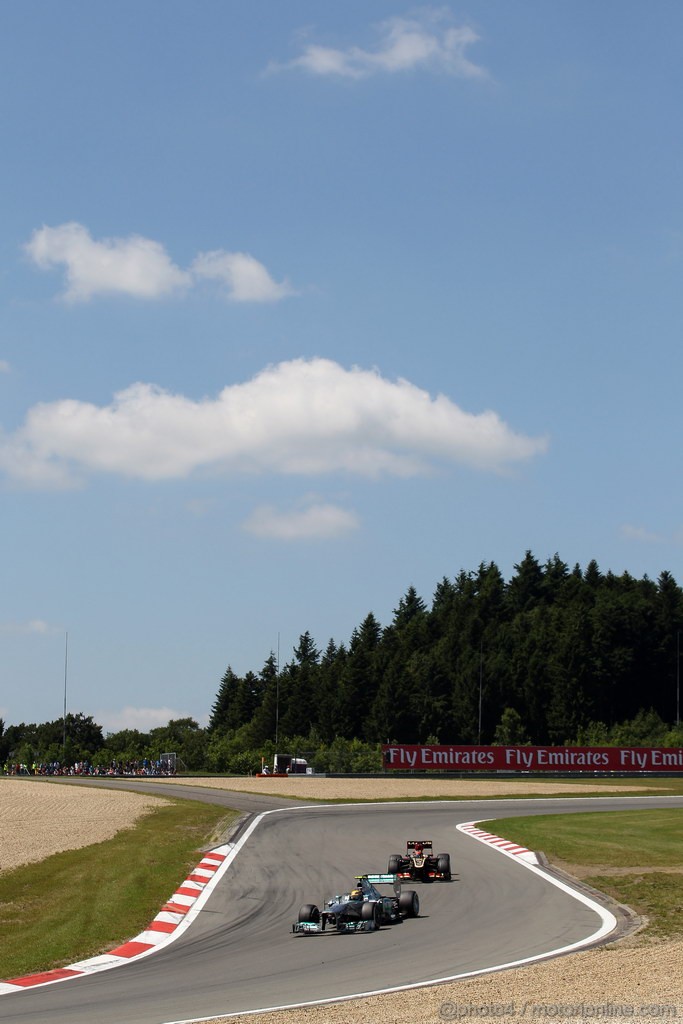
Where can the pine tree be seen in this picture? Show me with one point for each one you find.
(220, 711)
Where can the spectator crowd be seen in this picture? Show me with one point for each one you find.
(145, 767)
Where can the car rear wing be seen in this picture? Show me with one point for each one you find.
(424, 843)
(386, 880)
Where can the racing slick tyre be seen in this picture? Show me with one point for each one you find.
(443, 866)
(371, 912)
(309, 912)
(394, 864)
(409, 903)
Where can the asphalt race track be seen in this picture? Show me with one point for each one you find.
(240, 953)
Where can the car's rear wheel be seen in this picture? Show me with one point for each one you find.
(394, 864)
(443, 865)
(409, 903)
(309, 912)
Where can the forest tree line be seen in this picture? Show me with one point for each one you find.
(552, 656)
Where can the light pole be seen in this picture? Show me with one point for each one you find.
(66, 663)
(481, 676)
(678, 677)
(277, 695)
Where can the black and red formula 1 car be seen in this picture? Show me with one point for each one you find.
(419, 863)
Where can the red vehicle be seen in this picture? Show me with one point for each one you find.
(420, 864)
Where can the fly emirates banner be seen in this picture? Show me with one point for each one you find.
(427, 757)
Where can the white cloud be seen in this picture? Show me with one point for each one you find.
(427, 40)
(133, 266)
(305, 417)
(246, 279)
(141, 268)
(24, 465)
(4, 366)
(31, 628)
(639, 533)
(143, 719)
(319, 520)
(644, 536)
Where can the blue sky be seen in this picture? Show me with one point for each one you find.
(303, 304)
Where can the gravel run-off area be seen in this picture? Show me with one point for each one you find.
(635, 979)
(39, 820)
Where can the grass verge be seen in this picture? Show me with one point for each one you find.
(636, 857)
(80, 903)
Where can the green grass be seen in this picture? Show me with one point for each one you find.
(661, 784)
(616, 838)
(657, 896)
(80, 903)
(645, 848)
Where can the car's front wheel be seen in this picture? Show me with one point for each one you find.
(371, 912)
(443, 865)
(409, 903)
(309, 912)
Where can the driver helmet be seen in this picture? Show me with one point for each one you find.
(356, 894)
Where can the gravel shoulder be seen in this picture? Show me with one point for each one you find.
(632, 979)
(312, 787)
(39, 819)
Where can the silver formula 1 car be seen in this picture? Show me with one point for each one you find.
(363, 909)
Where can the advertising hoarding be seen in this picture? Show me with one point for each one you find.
(430, 757)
